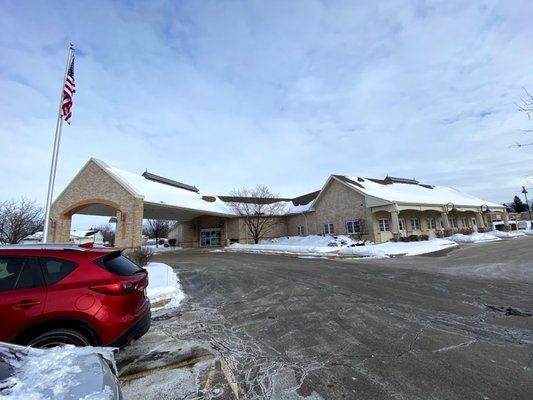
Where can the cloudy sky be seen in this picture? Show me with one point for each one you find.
(227, 94)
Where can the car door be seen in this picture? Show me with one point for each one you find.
(22, 294)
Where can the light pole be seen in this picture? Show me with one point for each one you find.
(528, 207)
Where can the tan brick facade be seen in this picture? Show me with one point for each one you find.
(338, 204)
(94, 186)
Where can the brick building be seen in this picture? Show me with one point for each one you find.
(373, 209)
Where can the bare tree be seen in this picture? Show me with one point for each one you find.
(526, 107)
(19, 219)
(258, 207)
(157, 228)
(108, 233)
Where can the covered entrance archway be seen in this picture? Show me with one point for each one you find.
(128, 198)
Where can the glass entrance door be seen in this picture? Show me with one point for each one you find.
(210, 237)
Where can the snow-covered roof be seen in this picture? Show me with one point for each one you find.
(409, 191)
(160, 191)
(166, 194)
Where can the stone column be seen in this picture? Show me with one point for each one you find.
(444, 216)
(395, 224)
(137, 223)
(505, 217)
(480, 220)
(59, 229)
(129, 225)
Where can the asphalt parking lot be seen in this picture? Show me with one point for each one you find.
(457, 325)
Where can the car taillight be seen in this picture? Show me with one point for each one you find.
(115, 289)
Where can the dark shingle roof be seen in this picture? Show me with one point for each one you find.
(297, 201)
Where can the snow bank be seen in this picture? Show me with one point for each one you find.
(343, 246)
(163, 286)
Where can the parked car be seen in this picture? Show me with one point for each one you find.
(54, 294)
(57, 373)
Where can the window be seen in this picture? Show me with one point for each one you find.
(384, 225)
(19, 273)
(56, 269)
(431, 223)
(464, 220)
(415, 224)
(353, 227)
(300, 230)
(401, 224)
(453, 222)
(328, 229)
(118, 264)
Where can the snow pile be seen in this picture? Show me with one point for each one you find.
(511, 234)
(490, 236)
(313, 244)
(474, 238)
(340, 245)
(316, 245)
(394, 249)
(163, 286)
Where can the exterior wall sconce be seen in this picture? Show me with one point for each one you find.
(449, 207)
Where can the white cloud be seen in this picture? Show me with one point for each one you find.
(224, 95)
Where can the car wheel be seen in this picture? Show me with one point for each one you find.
(57, 337)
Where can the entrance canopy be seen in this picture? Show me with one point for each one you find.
(163, 198)
(101, 190)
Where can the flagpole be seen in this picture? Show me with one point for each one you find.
(59, 125)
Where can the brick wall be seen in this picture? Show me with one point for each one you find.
(93, 186)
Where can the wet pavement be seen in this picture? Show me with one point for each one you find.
(253, 326)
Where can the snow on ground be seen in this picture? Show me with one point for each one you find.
(164, 291)
(164, 288)
(332, 246)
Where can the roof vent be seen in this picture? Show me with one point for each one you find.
(392, 179)
(209, 199)
(170, 182)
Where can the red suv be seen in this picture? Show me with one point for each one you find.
(57, 294)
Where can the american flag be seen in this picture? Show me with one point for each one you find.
(68, 92)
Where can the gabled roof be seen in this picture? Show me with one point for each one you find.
(185, 202)
(410, 191)
(166, 192)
